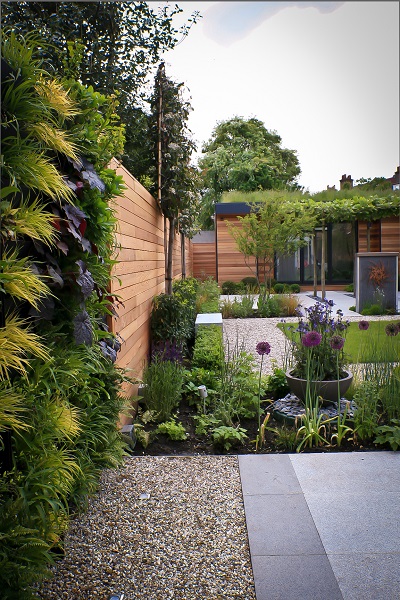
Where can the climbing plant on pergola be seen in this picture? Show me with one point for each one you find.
(342, 207)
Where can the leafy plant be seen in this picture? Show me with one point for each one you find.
(175, 431)
(267, 306)
(226, 437)
(312, 432)
(389, 434)
(277, 383)
(163, 380)
(366, 415)
(285, 438)
(207, 351)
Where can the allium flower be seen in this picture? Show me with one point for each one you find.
(363, 325)
(312, 338)
(337, 342)
(392, 329)
(263, 348)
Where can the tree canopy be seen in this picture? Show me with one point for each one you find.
(277, 224)
(177, 183)
(111, 46)
(242, 154)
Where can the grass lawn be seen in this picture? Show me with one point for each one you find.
(372, 345)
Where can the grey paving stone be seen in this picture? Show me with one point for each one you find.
(295, 578)
(367, 576)
(348, 471)
(280, 524)
(357, 522)
(267, 474)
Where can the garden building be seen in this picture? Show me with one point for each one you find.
(215, 253)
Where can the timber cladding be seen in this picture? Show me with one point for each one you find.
(384, 235)
(232, 265)
(140, 271)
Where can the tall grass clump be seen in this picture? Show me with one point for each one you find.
(163, 381)
(384, 370)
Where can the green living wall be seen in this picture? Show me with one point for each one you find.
(59, 386)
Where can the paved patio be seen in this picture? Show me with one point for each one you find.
(323, 526)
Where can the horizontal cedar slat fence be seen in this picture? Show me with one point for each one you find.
(139, 274)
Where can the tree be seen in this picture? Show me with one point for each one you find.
(111, 46)
(176, 178)
(243, 155)
(277, 224)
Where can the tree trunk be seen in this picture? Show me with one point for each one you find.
(183, 256)
(323, 259)
(315, 264)
(169, 262)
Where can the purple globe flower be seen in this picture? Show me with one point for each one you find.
(392, 329)
(310, 339)
(363, 325)
(263, 348)
(337, 342)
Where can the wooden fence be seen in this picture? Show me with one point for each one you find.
(140, 270)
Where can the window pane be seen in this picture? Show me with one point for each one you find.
(343, 251)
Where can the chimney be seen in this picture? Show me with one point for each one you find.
(346, 183)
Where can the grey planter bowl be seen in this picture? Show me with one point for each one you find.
(328, 390)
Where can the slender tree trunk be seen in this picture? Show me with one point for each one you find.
(169, 273)
(315, 264)
(183, 255)
(323, 259)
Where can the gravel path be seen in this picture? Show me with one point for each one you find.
(248, 332)
(187, 540)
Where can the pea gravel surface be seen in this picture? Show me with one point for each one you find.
(158, 528)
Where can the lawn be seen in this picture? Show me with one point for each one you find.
(372, 345)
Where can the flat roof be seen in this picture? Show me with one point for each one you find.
(232, 208)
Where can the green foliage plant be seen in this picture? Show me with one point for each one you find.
(276, 224)
(229, 288)
(207, 351)
(177, 187)
(285, 438)
(238, 392)
(171, 319)
(163, 380)
(313, 431)
(175, 431)
(381, 342)
(268, 306)
(367, 414)
(226, 437)
(276, 382)
(238, 309)
(389, 434)
(279, 288)
(208, 296)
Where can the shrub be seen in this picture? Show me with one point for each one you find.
(279, 288)
(208, 351)
(287, 305)
(250, 284)
(163, 381)
(229, 287)
(208, 294)
(268, 306)
(172, 318)
(294, 288)
(372, 309)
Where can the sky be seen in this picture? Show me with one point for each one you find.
(323, 75)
